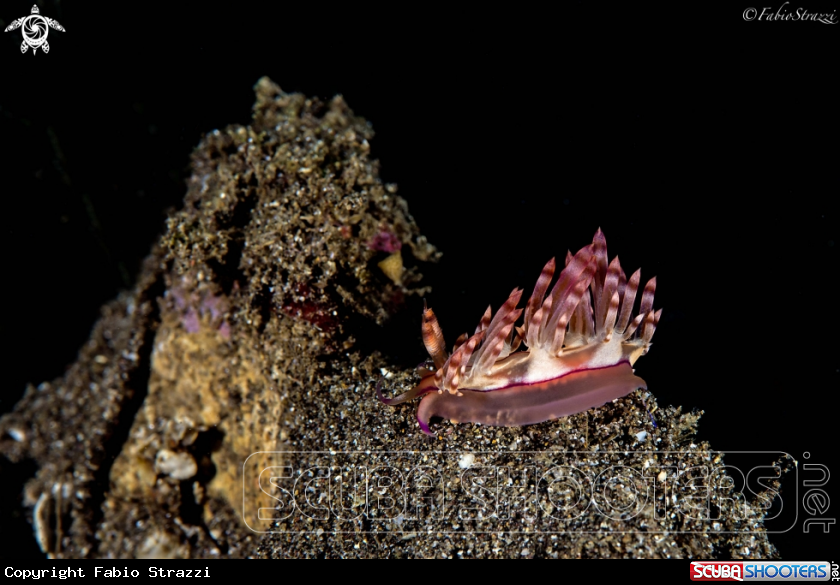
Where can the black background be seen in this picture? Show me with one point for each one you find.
(705, 147)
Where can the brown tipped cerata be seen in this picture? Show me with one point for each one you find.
(582, 340)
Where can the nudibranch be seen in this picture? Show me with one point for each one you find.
(582, 340)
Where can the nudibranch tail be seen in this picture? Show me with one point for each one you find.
(582, 339)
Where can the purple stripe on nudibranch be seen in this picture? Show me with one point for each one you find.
(582, 342)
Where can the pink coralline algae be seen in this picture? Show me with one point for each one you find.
(190, 321)
(196, 306)
(385, 241)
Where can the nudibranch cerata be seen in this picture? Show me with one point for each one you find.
(582, 340)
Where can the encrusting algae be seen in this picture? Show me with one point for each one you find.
(249, 333)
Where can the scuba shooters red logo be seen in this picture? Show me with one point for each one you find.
(717, 571)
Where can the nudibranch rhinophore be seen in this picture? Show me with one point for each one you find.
(582, 340)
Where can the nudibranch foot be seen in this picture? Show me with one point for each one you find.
(532, 403)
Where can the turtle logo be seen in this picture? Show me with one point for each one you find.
(35, 29)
